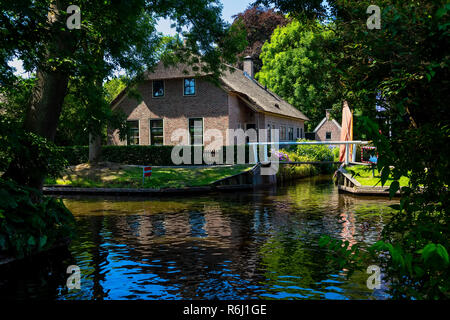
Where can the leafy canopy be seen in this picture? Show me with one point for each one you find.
(298, 65)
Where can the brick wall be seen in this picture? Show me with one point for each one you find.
(328, 126)
(277, 122)
(219, 111)
(209, 103)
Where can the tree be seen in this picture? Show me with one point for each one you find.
(114, 86)
(259, 23)
(113, 34)
(73, 125)
(298, 65)
(402, 68)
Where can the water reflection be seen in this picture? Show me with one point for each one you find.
(259, 245)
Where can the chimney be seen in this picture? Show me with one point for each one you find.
(328, 115)
(248, 66)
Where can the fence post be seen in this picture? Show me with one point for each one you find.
(347, 153)
(354, 153)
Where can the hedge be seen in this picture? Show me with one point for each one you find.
(135, 155)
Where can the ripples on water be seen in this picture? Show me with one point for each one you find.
(260, 245)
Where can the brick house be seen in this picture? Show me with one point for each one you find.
(174, 97)
(328, 129)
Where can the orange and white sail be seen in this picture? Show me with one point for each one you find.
(347, 131)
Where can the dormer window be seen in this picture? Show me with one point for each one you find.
(158, 88)
(189, 87)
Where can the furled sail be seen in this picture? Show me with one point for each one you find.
(347, 131)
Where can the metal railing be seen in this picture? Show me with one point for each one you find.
(266, 144)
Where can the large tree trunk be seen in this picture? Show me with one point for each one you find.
(47, 100)
(95, 131)
(41, 119)
(95, 148)
(45, 106)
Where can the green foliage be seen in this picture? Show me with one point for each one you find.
(293, 172)
(131, 177)
(342, 255)
(114, 35)
(298, 65)
(113, 87)
(27, 227)
(29, 147)
(86, 109)
(365, 175)
(75, 154)
(316, 153)
(403, 69)
(136, 155)
(423, 274)
(14, 97)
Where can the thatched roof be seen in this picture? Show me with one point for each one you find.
(234, 81)
(262, 99)
(180, 70)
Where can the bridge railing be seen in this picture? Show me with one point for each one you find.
(265, 145)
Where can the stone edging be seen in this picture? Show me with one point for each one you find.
(61, 190)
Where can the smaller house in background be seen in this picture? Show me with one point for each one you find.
(328, 129)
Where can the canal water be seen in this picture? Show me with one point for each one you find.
(241, 245)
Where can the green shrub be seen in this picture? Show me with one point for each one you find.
(75, 154)
(313, 153)
(336, 152)
(136, 155)
(317, 152)
(27, 227)
(289, 172)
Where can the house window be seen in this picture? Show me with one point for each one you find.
(282, 133)
(291, 134)
(301, 132)
(298, 132)
(133, 133)
(328, 135)
(269, 133)
(189, 87)
(156, 132)
(158, 88)
(196, 131)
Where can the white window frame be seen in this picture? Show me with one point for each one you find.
(203, 131)
(139, 129)
(150, 131)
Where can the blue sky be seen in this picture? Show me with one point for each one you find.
(230, 8)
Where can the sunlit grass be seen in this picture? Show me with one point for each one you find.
(367, 177)
(131, 177)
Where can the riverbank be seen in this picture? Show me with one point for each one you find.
(108, 175)
(371, 178)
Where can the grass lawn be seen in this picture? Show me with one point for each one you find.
(122, 176)
(364, 175)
